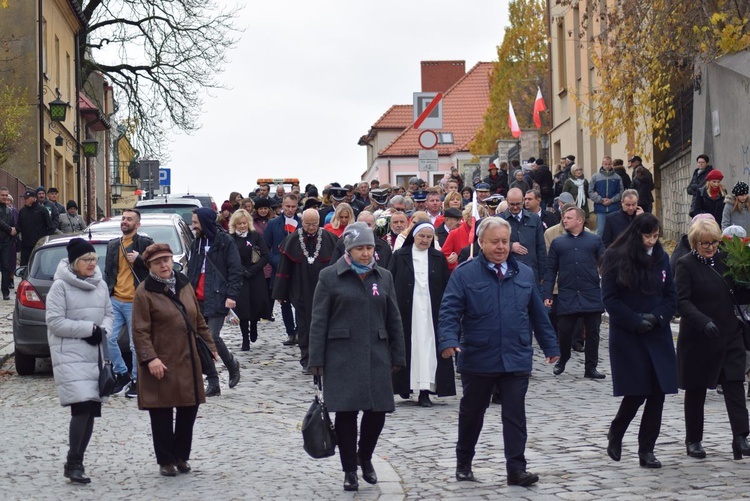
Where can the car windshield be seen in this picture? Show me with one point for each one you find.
(45, 261)
(165, 234)
(185, 211)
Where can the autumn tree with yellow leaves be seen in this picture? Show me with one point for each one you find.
(13, 123)
(646, 52)
(521, 66)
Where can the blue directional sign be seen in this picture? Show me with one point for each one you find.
(165, 177)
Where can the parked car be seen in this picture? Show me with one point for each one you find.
(163, 228)
(205, 199)
(29, 323)
(170, 205)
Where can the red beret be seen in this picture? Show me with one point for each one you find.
(714, 174)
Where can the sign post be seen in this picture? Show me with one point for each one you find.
(428, 110)
(428, 160)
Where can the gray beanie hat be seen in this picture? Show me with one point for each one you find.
(357, 234)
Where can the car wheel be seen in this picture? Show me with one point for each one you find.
(25, 364)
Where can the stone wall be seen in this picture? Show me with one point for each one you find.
(672, 197)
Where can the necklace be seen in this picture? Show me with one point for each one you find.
(319, 242)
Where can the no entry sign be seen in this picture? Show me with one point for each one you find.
(428, 139)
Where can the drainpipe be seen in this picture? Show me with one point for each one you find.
(41, 93)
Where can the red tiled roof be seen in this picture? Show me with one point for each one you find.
(398, 116)
(464, 106)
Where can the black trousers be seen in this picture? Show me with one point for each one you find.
(650, 421)
(304, 318)
(25, 255)
(566, 328)
(287, 315)
(477, 390)
(346, 432)
(172, 433)
(734, 399)
(214, 325)
(6, 272)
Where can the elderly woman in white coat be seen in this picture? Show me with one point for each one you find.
(79, 316)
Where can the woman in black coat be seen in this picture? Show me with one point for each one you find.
(639, 294)
(252, 304)
(410, 286)
(710, 346)
(710, 198)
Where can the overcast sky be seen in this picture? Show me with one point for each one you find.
(307, 79)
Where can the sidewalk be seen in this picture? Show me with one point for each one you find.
(6, 327)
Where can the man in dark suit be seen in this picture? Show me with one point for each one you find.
(526, 235)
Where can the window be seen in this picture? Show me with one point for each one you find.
(57, 63)
(44, 47)
(445, 138)
(68, 78)
(562, 70)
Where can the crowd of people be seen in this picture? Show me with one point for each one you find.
(381, 287)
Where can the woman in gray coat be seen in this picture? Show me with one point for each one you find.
(357, 340)
(79, 315)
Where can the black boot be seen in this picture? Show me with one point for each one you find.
(253, 332)
(424, 398)
(234, 373)
(351, 482)
(213, 389)
(245, 342)
(740, 447)
(74, 469)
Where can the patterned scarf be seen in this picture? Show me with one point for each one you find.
(359, 269)
(170, 282)
(705, 260)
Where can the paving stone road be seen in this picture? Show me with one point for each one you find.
(248, 444)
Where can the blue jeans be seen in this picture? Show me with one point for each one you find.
(123, 313)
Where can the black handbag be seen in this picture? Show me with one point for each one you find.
(318, 433)
(107, 380)
(739, 314)
(204, 352)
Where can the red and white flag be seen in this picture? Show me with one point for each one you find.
(512, 122)
(539, 107)
(474, 216)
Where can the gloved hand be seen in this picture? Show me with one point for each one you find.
(650, 318)
(96, 337)
(644, 326)
(316, 371)
(248, 274)
(711, 330)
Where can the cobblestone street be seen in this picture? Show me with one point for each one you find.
(248, 444)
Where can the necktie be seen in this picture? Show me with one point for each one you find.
(499, 269)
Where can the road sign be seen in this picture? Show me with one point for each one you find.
(428, 110)
(165, 177)
(428, 139)
(428, 160)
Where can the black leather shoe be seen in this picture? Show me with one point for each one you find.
(614, 448)
(695, 450)
(290, 341)
(213, 390)
(405, 396)
(424, 399)
(368, 471)
(167, 470)
(522, 478)
(351, 482)
(593, 374)
(234, 373)
(464, 473)
(183, 466)
(578, 347)
(74, 471)
(245, 343)
(558, 369)
(740, 447)
(648, 460)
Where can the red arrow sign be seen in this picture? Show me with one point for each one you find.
(428, 110)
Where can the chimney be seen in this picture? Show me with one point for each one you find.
(439, 76)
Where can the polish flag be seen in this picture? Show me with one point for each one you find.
(512, 122)
(539, 107)
(474, 217)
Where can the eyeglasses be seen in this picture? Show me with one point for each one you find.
(89, 260)
(708, 245)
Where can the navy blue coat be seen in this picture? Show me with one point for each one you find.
(218, 286)
(635, 357)
(530, 233)
(494, 318)
(274, 235)
(572, 261)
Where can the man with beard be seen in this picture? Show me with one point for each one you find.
(215, 272)
(124, 269)
(398, 224)
(304, 254)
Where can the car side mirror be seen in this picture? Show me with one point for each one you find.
(177, 266)
(20, 271)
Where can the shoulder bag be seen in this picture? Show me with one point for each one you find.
(107, 378)
(204, 352)
(318, 432)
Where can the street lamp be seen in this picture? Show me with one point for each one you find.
(90, 147)
(116, 192)
(57, 110)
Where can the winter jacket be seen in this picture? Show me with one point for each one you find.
(615, 225)
(357, 336)
(543, 178)
(492, 319)
(7, 223)
(112, 261)
(498, 184)
(605, 184)
(698, 180)
(223, 279)
(74, 307)
(703, 203)
(274, 235)
(71, 224)
(573, 261)
(34, 223)
(731, 217)
(530, 233)
(160, 331)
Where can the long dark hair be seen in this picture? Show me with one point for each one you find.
(627, 258)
